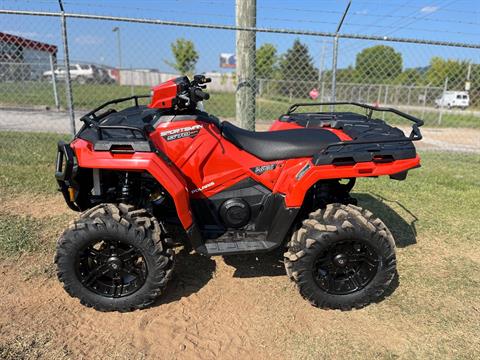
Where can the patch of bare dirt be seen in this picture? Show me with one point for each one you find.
(36, 206)
(234, 308)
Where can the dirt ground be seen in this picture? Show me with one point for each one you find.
(220, 308)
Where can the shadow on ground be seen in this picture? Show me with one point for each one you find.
(256, 265)
(403, 231)
(192, 272)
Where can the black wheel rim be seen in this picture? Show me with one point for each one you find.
(346, 267)
(111, 268)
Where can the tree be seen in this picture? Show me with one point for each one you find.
(185, 55)
(409, 77)
(266, 61)
(378, 64)
(440, 69)
(297, 71)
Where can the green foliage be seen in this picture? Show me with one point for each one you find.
(185, 55)
(440, 69)
(347, 75)
(409, 77)
(266, 61)
(378, 64)
(297, 70)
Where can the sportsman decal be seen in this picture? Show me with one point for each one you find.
(180, 133)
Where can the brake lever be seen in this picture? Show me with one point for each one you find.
(186, 98)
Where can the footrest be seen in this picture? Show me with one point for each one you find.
(232, 243)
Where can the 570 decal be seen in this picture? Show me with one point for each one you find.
(180, 133)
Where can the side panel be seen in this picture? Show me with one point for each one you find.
(167, 176)
(209, 163)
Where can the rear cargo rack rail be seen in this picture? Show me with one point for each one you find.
(415, 134)
(91, 118)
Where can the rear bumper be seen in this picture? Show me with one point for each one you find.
(66, 168)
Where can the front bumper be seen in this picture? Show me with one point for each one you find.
(66, 168)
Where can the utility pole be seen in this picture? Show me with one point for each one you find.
(117, 30)
(246, 16)
(335, 55)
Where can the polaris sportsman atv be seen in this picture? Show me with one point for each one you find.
(150, 178)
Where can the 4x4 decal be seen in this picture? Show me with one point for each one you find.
(259, 170)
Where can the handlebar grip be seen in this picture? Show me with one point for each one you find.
(207, 80)
(200, 95)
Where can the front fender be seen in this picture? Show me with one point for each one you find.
(167, 176)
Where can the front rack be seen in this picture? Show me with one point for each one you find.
(415, 135)
(91, 118)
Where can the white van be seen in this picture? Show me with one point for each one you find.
(451, 99)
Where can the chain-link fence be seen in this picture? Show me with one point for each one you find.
(116, 57)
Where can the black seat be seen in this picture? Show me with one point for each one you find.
(281, 144)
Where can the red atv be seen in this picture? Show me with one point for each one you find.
(150, 178)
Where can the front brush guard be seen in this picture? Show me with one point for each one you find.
(66, 168)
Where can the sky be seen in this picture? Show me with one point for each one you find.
(148, 46)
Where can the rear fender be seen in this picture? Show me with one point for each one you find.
(297, 180)
(167, 176)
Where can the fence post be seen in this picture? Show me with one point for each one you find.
(334, 71)
(385, 101)
(68, 81)
(322, 96)
(335, 54)
(54, 82)
(442, 106)
(424, 102)
(246, 45)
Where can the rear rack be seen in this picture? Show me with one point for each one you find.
(415, 135)
(91, 119)
(349, 149)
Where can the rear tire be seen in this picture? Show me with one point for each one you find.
(114, 259)
(341, 258)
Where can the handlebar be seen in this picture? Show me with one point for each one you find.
(201, 79)
(200, 95)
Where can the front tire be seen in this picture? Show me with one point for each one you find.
(114, 259)
(341, 258)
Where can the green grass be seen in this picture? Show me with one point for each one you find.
(443, 193)
(18, 234)
(88, 96)
(27, 162)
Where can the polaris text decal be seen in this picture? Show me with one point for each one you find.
(180, 133)
(259, 170)
(200, 189)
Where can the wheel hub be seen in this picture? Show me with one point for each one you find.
(346, 266)
(114, 263)
(340, 260)
(111, 268)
